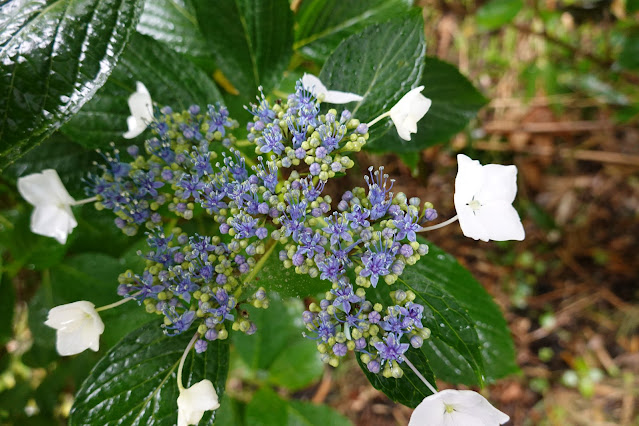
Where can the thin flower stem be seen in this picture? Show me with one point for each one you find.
(381, 117)
(440, 225)
(181, 366)
(116, 304)
(423, 379)
(85, 201)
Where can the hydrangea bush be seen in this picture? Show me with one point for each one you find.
(229, 200)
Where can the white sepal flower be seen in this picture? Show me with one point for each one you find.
(141, 107)
(52, 216)
(78, 327)
(194, 401)
(483, 200)
(456, 407)
(315, 86)
(408, 111)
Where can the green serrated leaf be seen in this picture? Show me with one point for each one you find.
(251, 40)
(496, 344)
(381, 63)
(170, 78)
(322, 24)
(173, 22)
(497, 13)
(135, 383)
(455, 102)
(409, 389)
(55, 55)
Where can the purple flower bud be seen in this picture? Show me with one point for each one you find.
(262, 208)
(260, 294)
(308, 317)
(166, 110)
(259, 125)
(123, 290)
(298, 259)
(340, 349)
(346, 115)
(178, 257)
(296, 184)
(394, 210)
(374, 317)
(249, 126)
(167, 174)
(406, 250)
(261, 233)
(336, 166)
(200, 346)
(430, 214)
(133, 150)
(224, 228)
(315, 169)
(182, 239)
(273, 212)
(362, 128)
(321, 152)
(221, 279)
(325, 207)
(283, 255)
(244, 268)
(211, 334)
(316, 212)
(181, 207)
(397, 268)
(416, 341)
(120, 223)
(373, 366)
(360, 343)
(156, 218)
(342, 206)
(330, 118)
(300, 153)
(194, 109)
(253, 180)
(324, 304)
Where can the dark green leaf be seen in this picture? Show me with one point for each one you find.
(136, 381)
(629, 56)
(266, 408)
(322, 24)
(55, 55)
(7, 305)
(455, 103)
(305, 413)
(298, 365)
(409, 389)
(58, 152)
(286, 282)
(496, 13)
(170, 78)
(381, 63)
(496, 345)
(230, 413)
(251, 40)
(278, 329)
(173, 22)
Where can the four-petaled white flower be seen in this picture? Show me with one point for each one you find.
(483, 200)
(78, 327)
(52, 216)
(408, 111)
(456, 408)
(315, 86)
(141, 107)
(194, 401)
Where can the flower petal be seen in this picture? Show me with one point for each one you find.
(501, 221)
(44, 188)
(472, 405)
(141, 106)
(430, 411)
(313, 85)
(53, 221)
(469, 180)
(337, 97)
(408, 111)
(500, 183)
(78, 327)
(194, 401)
(471, 225)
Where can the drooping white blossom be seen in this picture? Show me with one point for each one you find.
(456, 408)
(408, 111)
(483, 200)
(141, 107)
(315, 86)
(194, 401)
(78, 327)
(52, 215)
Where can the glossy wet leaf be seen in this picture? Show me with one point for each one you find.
(173, 22)
(54, 56)
(320, 25)
(170, 78)
(251, 40)
(455, 102)
(135, 383)
(408, 389)
(381, 63)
